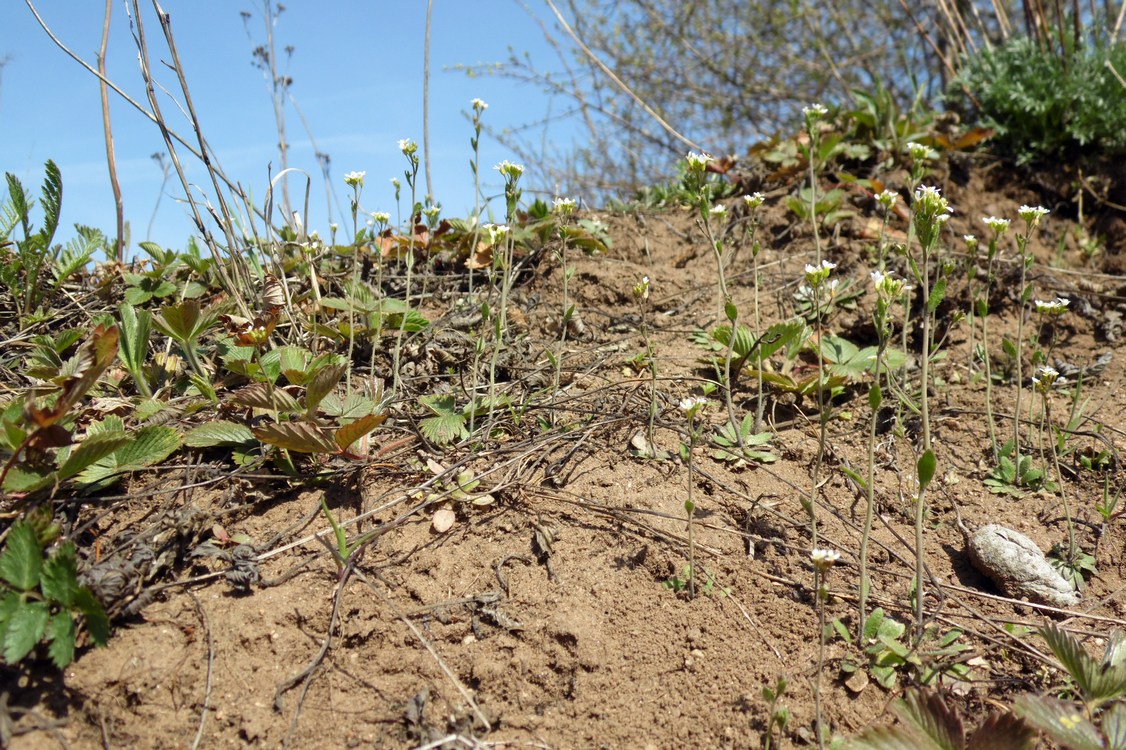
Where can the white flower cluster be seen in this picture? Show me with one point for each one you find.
(815, 276)
(1053, 309)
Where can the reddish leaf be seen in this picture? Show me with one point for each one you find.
(301, 437)
(353, 431)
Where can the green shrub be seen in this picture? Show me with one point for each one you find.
(1045, 106)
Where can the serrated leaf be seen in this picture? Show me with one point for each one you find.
(221, 432)
(148, 446)
(91, 450)
(22, 559)
(302, 437)
(60, 639)
(1099, 685)
(444, 429)
(136, 327)
(59, 579)
(322, 384)
(1114, 727)
(292, 361)
(25, 627)
(91, 360)
(20, 479)
(94, 615)
(353, 431)
(178, 321)
(1061, 721)
(352, 406)
(934, 718)
(1002, 732)
(1115, 653)
(262, 396)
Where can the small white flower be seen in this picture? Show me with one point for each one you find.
(333, 227)
(641, 290)
(1046, 378)
(1055, 308)
(969, 239)
(479, 106)
(878, 278)
(887, 198)
(381, 217)
(407, 146)
(815, 276)
(823, 559)
(510, 171)
(354, 179)
(718, 211)
(998, 226)
(1032, 215)
(431, 212)
(754, 200)
(814, 112)
(692, 405)
(563, 206)
(929, 201)
(919, 152)
(497, 232)
(698, 162)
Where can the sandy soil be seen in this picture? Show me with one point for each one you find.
(543, 619)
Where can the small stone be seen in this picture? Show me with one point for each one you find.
(857, 682)
(1018, 567)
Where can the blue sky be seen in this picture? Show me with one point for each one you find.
(357, 70)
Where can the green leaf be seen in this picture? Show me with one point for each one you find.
(1062, 721)
(221, 432)
(178, 321)
(150, 445)
(938, 293)
(352, 406)
(1098, 684)
(60, 576)
(875, 397)
(293, 362)
(25, 627)
(91, 450)
(444, 428)
(22, 559)
(136, 327)
(51, 198)
(302, 437)
(60, 639)
(20, 479)
(96, 621)
(1115, 654)
(926, 468)
(1114, 727)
